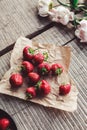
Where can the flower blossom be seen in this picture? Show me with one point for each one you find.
(61, 15)
(44, 6)
(81, 31)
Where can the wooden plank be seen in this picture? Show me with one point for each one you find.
(58, 35)
(30, 36)
(4, 63)
(78, 71)
(20, 18)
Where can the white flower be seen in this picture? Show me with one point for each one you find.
(81, 31)
(61, 15)
(44, 6)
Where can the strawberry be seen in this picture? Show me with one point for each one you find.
(64, 89)
(30, 92)
(38, 58)
(34, 77)
(28, 53)
(56, 69)
(16, 80)
(43, 88)
(4, 124)
(43, 68)
(27, 67)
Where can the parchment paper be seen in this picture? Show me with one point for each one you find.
(56, 54)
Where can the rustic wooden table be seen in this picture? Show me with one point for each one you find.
(19, 18)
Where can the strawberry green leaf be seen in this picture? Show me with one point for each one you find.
(31, 51)
(44, 70)
(63, 83)
(8, 128)
(58, 71)
(45, 56)
(38, 85)
(22, 68)
(28, 96)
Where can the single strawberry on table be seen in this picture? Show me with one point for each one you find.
(44, 68)
(28, 53)
(64, 89)
(33, 77)
(38, 58)
(27, 67)
(56, 69)
(16, 80)
(4, 124)
(30, 92)
(43, 88)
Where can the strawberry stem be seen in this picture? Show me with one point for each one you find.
(28, 96)
(44, 70)
(8, 128)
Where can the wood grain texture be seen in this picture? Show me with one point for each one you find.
(56, 35)
(18, 17)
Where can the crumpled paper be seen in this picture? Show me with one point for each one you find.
(57, 54)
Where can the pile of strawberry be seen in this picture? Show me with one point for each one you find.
(35, 67)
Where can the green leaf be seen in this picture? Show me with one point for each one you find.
(50, 6)
(28, 96)
(22, 68)
(74, 3)
(45, 56)
(31, 51)
(67, 5)
(85, 14)
(8, 128)
(44, 70)
(37, 85)
(58, 71)
(75, 22)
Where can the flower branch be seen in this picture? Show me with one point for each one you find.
(66, 13)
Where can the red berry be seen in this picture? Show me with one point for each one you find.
(56, 69)
(38, 58)
(27, 67)
(43, 68)
(31, 92)
(64, 89)
(43, 87)
(16, 80)
(28, 53)
(4, 124)
(34, 77)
